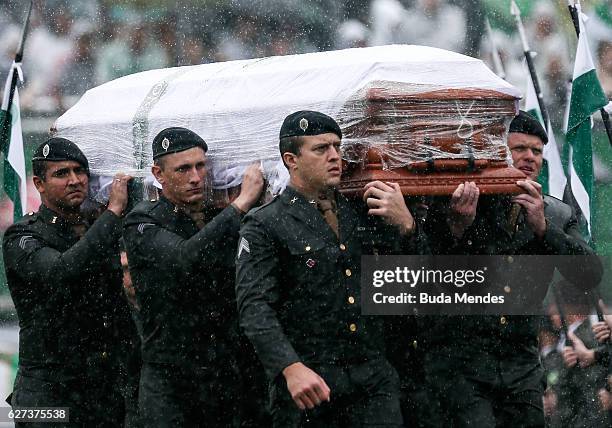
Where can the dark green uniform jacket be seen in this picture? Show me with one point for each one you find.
(68, 295)
(298, 285)
(183, 280)
(490, 234)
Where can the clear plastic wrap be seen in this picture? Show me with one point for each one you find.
(411, 103)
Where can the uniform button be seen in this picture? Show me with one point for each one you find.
(104, 354)
(307, 248)
(353, 327)
(469, 242)
(342, 247)
(348, 272)
(503, 320)
(507, 289)
(351, 300)
(510, 259)
(414, 344)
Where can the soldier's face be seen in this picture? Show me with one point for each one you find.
(183, 176)
(318, 166)
(527, 153)
(64, 187)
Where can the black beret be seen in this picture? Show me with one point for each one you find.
(527, 124)
(307, 122)
(60, 149)
(174, 140)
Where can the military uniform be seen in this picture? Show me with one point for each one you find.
(485, 370)
(298, 290)
(182, 277)
(578, 404)
(73, 318)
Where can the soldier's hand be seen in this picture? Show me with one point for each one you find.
(605, 399)
(585, 356)
(569, 356)
(463, 204)
(387, 201)
(533, 203)
(307, 388)
(601, 330)
(252, 186)
(549, 401)
(118, 199)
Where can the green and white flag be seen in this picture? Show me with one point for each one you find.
(587, 98)
(12, 147)
(552, 176)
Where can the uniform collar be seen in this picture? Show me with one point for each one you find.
(177, 215)
(51, 217)
(306, 210)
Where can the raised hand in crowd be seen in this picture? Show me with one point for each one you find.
(584, 356)
(601, 329)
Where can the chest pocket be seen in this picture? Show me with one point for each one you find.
(310, 258)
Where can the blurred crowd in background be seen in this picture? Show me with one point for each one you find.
(74, 46)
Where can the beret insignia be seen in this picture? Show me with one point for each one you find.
(304, 124)
(165, 143)
(46, 150)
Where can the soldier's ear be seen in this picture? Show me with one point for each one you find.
(39, 184)
(158, 174)
(290, 160)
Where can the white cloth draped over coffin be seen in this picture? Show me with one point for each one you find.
(238, 106)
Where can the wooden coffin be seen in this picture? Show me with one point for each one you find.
(430, 142)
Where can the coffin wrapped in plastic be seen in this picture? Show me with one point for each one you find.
(424, 117)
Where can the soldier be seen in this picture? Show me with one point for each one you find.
(64, 276)
(298, 286)
(485, 370)
(583, 375)
(180, 259)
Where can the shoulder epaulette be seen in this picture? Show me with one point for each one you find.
(267, 204)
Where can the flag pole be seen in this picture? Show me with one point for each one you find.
(18, 59)
(516, 12)
(497, 62)
(605, 116)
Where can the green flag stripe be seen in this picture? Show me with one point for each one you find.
(582, 154)
(11, 178)
(587, 98)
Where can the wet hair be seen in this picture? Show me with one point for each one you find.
(291, 145)
(159, 162)
(39, 169)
